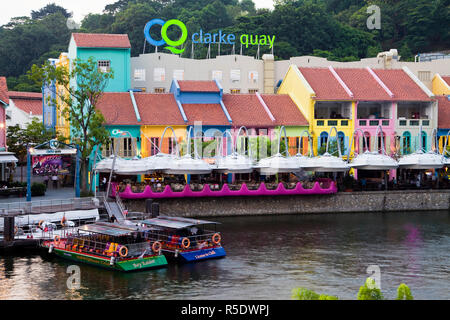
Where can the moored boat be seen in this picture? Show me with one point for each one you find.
(185, 239)
(111, 246)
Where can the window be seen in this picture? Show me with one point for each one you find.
(104, 66)
(366, 141)
(127, 147)
(406, 143)
(171, 145)
(252, 90)
(424, 141)
(379, 141)
(154, 145)
(160, 90)
(341, 138)
(253, 77)
(159, 74)
(217, 75)
(235, 75)
(235, 90)
(108, 149)
(178, 74)
(424, 75)
(323, 139)
(139, 74)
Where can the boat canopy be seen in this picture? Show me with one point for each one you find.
(109, 229)
(175, 222)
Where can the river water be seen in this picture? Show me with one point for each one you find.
(266, 258)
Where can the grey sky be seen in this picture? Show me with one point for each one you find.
(80, 8)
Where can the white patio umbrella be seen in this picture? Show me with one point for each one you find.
(106, 164)
(330, 163)
(278, 163)
(234, 162)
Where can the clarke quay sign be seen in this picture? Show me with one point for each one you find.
(201, 37)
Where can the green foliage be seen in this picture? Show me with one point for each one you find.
(332, 147)
(306, 294)
(404, 293)
(369, 291)
(38, 189)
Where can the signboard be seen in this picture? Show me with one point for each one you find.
(49, 165)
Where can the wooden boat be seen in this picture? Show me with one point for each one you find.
(185, 239)
(111, 246)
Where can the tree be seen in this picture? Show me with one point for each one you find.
(404, 293)
(369, 291)
(49, 9)
(306, 294)
(78, 103)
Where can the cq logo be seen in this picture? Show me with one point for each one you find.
(165, 39)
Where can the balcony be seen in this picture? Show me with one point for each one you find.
(333, 123)
(367, 123)
(413, 122)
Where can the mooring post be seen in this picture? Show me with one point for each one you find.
(8, 228)
(148, 205)
(155, 210)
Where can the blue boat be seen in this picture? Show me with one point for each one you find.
(185, 239)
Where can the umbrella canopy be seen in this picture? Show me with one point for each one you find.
(373, 161)
(158, 162)
(188, 165)
(421, 160)
(329, 163)
(131, 167)
(277, 164)
(106, 164)
(234, 163)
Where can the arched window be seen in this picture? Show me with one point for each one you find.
(341, 138)
(379, 141)
(424, 141)
(323, 139)
(406, 143)
(366, 142)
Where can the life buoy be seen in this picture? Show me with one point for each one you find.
(216, 238)
(57, 240)
(40, 224)
(16, 230)
(186, 243)
(156, 247)
(63, 221)
(122, 253)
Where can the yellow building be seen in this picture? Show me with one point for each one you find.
(62, 124)
(441, 85)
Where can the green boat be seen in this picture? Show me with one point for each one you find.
(110, 246)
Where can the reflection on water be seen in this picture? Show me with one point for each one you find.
(267, 257)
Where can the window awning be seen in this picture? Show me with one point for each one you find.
(7, 157)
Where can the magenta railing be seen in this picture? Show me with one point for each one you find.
(148, 193)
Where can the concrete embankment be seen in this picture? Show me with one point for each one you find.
(342, 202)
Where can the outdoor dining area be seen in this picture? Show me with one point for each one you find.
(243, 173)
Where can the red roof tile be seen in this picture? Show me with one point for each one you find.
(198, 86)
(446, 79)
(245, 109)
(402, 86)
(154, 109)
(362, 84)
(4, 90)
(208, 114)
(284, 110)
(27, 101)
(101, 40)
(324, 84)
(443, 112)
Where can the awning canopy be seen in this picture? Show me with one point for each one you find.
(109, 229)
(175, 222)
(7, 157)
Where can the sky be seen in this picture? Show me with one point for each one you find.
(80, 8)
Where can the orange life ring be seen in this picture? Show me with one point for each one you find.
(63, 221)
(40, 224)
(156, 247)
(186, 243)
(216, 238)
(123, 254)
(57, 240)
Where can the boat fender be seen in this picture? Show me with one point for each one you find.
(16, 230)
(156, 247)
(186, 243)
(123, 251)
(57, 240)
(112, 261)
(216, 238)
(50, 248)
(176, 253)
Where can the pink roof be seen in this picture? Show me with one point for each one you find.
(29, 102)
(362, 84)
(101, 40)
(245, 109)
(443, 112)
(446, 79)
(402, 86)
(154, 109)
(4, 90)
(198, 86)
(324, 84)
(209, 114)
(284, 110)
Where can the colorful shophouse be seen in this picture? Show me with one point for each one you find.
(441, 89)
(362, 98)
